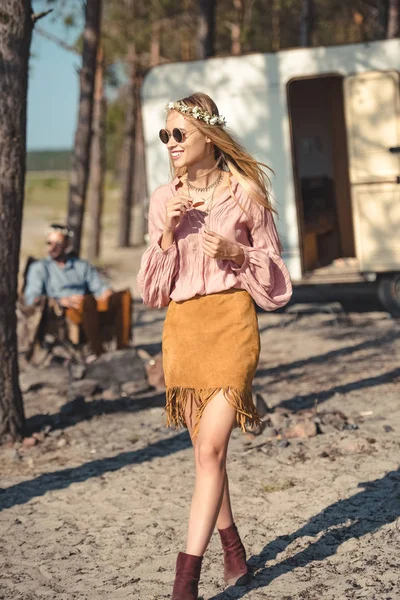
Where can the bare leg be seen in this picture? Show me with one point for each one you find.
(211, 447)
(225, 516)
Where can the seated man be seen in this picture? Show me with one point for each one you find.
(79, 290)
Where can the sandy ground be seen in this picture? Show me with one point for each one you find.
(99, 508)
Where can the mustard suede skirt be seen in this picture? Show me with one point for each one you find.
(211, 343)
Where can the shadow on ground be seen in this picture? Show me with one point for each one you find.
(306, 401)
(322, 359)
(57, 480)
(366, 512)
(72, 413)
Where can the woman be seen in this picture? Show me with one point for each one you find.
(214, 251)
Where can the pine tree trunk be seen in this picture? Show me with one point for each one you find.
(185, 33)
(393, 26)
(236, 28)
(155, 43)
(306, 23)
(82, 146)
(276, 25)
(15, 34)
(127, 163)
(97, 163)
(206, 30)
(139, 181)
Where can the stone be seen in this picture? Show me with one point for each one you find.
(13, 454)
(76, 369)
(56, 433)
(269, 433)
(256, 429)
(277, 420)
(130, 388)
(261, 405)
(388, 429)
(110, 394)
(283, 443)
(154, 369)
(84, 387)
(29, 442)
(113, 369)
(34, 379)
(332, 420)
(301, 429)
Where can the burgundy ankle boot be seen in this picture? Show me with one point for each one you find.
(236, 571)
(187, 577)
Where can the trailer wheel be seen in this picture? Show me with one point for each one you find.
(389, 293)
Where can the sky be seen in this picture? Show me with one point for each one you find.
(53, 90)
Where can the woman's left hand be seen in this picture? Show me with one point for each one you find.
(218, 247)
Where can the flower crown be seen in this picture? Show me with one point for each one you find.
(196, 113)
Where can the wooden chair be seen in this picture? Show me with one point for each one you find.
(44, 326)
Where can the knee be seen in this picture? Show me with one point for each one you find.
(209, 456)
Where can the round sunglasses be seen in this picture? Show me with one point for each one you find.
(178, 135)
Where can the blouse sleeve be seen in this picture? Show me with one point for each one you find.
(158, 267)
(263, 273)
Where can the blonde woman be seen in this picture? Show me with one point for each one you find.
(214, 251)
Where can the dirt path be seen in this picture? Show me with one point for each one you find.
(99, 508)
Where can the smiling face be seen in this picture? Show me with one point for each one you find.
(56, 243)
(195, 146)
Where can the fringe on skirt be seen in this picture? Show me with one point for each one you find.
(210, 343)
(240, 400)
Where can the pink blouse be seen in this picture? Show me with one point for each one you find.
(184, 271)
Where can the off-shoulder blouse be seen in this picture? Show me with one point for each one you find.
(184, 271)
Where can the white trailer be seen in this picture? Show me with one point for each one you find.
(327, 121)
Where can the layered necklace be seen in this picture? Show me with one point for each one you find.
(207, 188)
(206, 203)
(203, 190)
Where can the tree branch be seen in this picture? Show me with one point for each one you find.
(56, 40)
(36, 16)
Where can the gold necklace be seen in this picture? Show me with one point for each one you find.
(204, 202)
(206, 188)
(207, 211)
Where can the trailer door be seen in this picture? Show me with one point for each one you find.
(372, 108)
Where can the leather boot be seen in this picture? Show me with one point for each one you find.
(236, 571)
(187, 577)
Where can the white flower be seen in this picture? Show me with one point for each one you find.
(196, 112)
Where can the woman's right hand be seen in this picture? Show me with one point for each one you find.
(176, 208)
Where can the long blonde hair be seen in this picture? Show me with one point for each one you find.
(232, 156)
